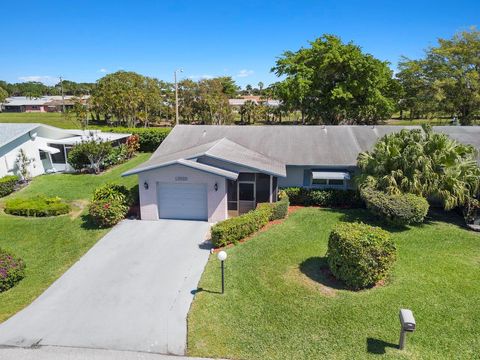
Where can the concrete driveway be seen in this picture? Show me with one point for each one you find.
(131, 291)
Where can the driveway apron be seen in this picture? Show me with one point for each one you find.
(131, 291)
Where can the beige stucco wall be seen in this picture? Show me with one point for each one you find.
(217, 200)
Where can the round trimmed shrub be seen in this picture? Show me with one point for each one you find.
(38, 206)
(401, 209)
(107, 212)
(7, 184)
(360, 255)
(12, 270)
(112, 191)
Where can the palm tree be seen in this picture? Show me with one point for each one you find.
(423, 163)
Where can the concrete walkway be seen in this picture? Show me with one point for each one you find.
(131, 291)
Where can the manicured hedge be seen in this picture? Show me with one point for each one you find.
(12, 270)
(402, 209)
(280, 208)
(323, 197)
(149, 138)
(360, 255)
(234, 229)
(7, 184)
(38, 206)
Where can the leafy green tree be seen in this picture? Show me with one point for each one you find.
(455, 68)
(423, 163)
(204, 102)
(130, 98)
(3, 94)
(417, 94)
(230, 88)
(212, 103)
(93, 150)
(247, 112)
(80, 110)
(331, 82)
(446, 80)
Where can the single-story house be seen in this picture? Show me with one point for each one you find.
(48, 103)
(46, 145)
(214, 172)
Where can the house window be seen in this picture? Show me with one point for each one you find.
(329, 179)
(336, 182)
(333, 183)
(43, 155)
(58, 158)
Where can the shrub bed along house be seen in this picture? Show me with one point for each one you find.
(235, 229)
(110, 204)
(401, 209)
(7, 184)
(38, 206)
(323, 197)
(360, 255)
(12, 270)
(149, 138)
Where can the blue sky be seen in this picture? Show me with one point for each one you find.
(84, 40)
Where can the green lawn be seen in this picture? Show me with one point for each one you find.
(279, 305)
(50, 246)
(53, 119)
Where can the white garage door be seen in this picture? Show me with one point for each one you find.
(182, 201)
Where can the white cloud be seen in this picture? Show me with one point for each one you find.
(45, 79)
(103, 70)
(245, 73)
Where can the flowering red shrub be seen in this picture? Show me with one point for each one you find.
(12, 270)
(132, 144)
(107, 212)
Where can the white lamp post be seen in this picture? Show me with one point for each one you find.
(222, 256)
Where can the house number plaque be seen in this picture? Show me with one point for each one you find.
(181, 178)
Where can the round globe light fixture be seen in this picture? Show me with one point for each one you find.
(222, 256)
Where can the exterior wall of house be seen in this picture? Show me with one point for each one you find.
(9, 153)
(34, 108)
(217, 200)
(297, 175)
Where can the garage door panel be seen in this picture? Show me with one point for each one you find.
(182, 201)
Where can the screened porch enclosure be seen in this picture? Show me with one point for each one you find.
(249, 190)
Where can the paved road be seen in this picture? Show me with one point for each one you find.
(131, 291)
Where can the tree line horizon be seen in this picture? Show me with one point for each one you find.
(327, 82)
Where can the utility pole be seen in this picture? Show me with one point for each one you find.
(63, 96)
(176, 94)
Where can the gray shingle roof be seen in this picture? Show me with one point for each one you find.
(222, 149)
(290, 145)
(9, 132)
(272, 147)
(464, 134)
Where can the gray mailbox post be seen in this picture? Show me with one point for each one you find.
(407, 323)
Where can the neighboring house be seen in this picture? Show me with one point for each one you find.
(47, 146)
(214, 172)
(237, 103)
(49, 103)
